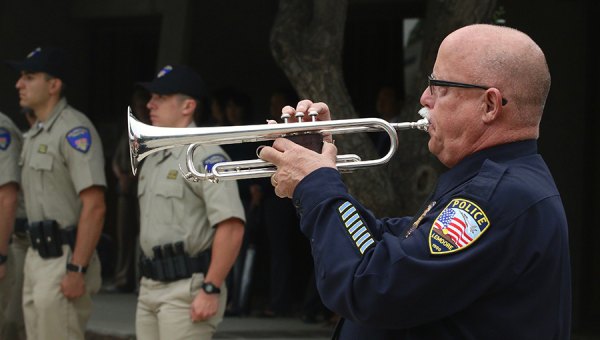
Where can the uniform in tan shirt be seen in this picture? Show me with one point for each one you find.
(11, 141)
(60, 158)
(11, 314)
(173, 209)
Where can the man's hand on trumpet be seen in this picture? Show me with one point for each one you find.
(307, 108)
(293, 161)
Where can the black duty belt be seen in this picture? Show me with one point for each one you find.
(47, 238)
(172, 263)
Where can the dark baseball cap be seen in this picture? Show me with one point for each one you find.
(177, 79)
(52, 60)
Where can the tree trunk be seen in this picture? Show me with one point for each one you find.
(306, 42)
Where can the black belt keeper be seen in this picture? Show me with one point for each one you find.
(20, 226)
(47, 238)
(171, 263)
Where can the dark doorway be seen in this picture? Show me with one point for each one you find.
(373, 55)
(122, 52)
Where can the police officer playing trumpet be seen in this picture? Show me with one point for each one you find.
(487, 256)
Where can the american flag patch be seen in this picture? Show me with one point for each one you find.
(355, 227)
(457, 226)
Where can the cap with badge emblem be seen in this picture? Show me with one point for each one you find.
(52, 60)
(174, 79)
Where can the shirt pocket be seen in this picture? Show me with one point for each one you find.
(169, 201)
(41, 162)
(170, 189)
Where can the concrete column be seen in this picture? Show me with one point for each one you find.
(174, 33)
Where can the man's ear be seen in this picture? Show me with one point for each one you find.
(493, 105)
(56, 85)
(189, 106)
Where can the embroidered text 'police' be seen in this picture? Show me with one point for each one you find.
(458, 225)
(356, 227)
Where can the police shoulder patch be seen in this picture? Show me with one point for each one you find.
(356, 228)
(80, 139)
(4, 138)
(211, 160)
(458, 226)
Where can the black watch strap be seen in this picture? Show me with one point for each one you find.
(3, 259)
(76, 268)
(210, 288)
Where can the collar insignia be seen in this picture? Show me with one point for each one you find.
(80, 139)
(459, 225)
(172, 174)
(43, 148)
(4, 139)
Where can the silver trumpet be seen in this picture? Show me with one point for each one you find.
(145, 140)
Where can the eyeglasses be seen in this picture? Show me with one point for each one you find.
(434, 82)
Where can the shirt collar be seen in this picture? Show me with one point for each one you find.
(471, 164)
(56, 111)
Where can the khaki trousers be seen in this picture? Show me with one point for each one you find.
(12, 325)
(48, 314)
(163, 310)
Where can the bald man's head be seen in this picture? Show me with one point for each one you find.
(504, 58)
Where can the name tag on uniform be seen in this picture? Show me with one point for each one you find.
(43, 148)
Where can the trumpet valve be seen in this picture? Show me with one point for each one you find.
(313, 115)
(285, 117)
(300, 116)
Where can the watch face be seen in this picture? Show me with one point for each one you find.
(209, 288)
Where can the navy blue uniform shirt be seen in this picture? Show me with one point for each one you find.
(486, 257)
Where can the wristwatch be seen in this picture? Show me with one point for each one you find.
(76, 268)
(210, 288)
